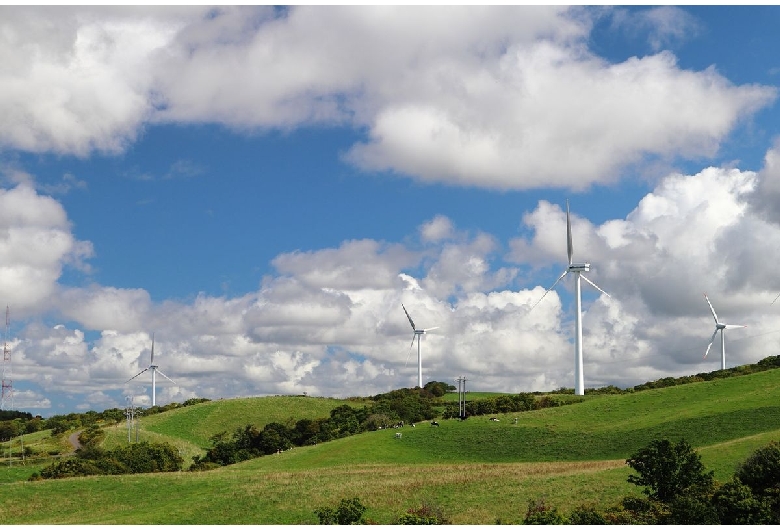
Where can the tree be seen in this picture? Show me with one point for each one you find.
(736, 504)
(670, 470)
(761, 471)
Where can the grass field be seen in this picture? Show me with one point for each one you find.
(476, 471)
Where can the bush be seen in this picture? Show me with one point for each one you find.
(425, 514)
(586, 515)
(136, 458)
(685, 510)
(348, 511)
(540, 513)
(635, 510)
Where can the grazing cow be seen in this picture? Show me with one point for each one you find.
(434, 424)
(398, 435)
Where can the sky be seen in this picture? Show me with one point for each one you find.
(263, 188)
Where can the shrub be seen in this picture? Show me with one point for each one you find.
(425, 514)
(586, 515)
(540, 513)
(635, 510)
(348, 511)
(685, 509)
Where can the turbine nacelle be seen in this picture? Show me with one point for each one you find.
(579, 267)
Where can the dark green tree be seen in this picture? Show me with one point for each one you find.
(761, 471)
(736, 504)
(668, 470)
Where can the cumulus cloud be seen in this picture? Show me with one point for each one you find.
(35, 244)
(329, 321)
(499, 97)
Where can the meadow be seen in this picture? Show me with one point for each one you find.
(476, 471)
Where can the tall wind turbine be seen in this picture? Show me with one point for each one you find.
(417, 334)
(577, 269)
(155, 371)
(719, 326)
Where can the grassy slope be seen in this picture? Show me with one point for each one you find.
(478, 471)
(190, 428)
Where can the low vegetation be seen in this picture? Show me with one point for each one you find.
(536, 465)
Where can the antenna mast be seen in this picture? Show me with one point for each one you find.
(8, 384)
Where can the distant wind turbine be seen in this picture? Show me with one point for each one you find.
(155, 371)
(719, 326)
(577, 269)
(417, 334)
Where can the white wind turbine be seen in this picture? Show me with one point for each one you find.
(155, 371)
(577, 269)
(417, 334)
(719, 326)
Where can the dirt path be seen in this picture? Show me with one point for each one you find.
(74, 440)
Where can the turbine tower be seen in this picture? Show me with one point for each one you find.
(576, 269)
(417, 334)
(719, 326)
(155, 371)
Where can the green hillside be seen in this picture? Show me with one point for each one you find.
(190, 428)
(477, 471)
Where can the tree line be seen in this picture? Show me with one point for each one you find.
(408, 405)
(14, 423)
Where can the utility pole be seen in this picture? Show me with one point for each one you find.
(7, 394)
(462, 397)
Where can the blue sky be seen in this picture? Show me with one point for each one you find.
(263, 188)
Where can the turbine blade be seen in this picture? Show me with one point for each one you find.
(775, 300)
(426, 330)
(410, 353)
(152, 357)
(410, 318)
(594, 285)
(166, 377)
(136, 375)
(569, 245)
(712, 339)
(711, 309)
(734, 326)
(550, 289)
(413, 337)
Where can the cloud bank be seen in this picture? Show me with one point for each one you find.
(329, 321)
(498, 97)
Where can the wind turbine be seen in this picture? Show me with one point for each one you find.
(719, 326)
(155, 371)
(417, 334)
(577, 269)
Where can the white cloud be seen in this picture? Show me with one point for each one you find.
(35, 244)
(497, 97)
